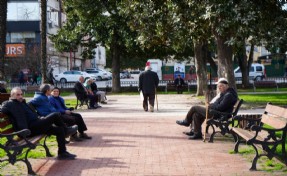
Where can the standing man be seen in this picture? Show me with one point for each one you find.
(179, 82)
(23, 117)
(148, 81)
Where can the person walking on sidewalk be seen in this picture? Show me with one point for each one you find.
(23, 117)
(148, 82)
(224, 102)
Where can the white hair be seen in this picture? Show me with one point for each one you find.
(147, 68)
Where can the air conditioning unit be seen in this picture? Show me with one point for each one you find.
(50, 24)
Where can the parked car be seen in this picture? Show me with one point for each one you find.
(125, 74)
(100, 74)
(257, 72)
(72, 76)
(135, 74)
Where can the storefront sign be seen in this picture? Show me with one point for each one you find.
(15, 50)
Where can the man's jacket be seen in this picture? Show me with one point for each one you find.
(148, 81)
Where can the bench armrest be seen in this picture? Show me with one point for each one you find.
(23, 133)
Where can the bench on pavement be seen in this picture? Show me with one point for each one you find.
(268, 135)
(17, 144)
(171, 87)
(265, 84)
(224, 123)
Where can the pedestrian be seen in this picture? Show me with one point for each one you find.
(34, 78)
(21, 79)
(148, 82)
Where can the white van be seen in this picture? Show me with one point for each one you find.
(257, 72)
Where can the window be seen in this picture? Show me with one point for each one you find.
(22, 37)
(23, 11)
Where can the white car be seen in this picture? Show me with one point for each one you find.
(72, 76)
(100, 74)
(256, 72)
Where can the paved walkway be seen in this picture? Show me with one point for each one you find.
(130, 142)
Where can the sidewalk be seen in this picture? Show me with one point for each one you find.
(128, 141)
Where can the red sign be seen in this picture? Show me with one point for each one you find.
(15, 50)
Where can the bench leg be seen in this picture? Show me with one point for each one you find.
(28, 164)
(212, 134)
(257, 156)
(48, 154)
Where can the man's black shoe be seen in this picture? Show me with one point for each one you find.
(71, 130)
(66, 156)
(182, 122)
(196, 136)
(191, 133)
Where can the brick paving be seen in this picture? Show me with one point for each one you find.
(130, 142)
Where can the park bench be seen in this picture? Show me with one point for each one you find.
(265, 84)
(267, 133)
(32, 89)
(4, 97)
(17, 144)
(171, 87)
(224, 123)
(80, 100)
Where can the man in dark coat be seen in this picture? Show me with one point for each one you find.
(224, 102)
(179, 82)
(148, 81)
(82, 93)
(23, 117)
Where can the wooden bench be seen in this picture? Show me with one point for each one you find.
(32, 89)
(15, 146)
(4, 97)
(265, 84)
(268, 135)
(81, 101)
(171, 87)
(224, 123)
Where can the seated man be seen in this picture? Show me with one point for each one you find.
(83, 93)
(95, 90)
(42, 104)
(179, 82)
(22, 117)
(59, 104)
(224, 103)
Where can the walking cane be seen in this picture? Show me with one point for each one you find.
(156, 99)
(206, 114)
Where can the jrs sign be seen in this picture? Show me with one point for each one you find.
(15, 50)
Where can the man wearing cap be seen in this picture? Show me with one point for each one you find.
(148, 81)
(224, 102)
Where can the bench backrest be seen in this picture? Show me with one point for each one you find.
(4, 97)
(275, 116)
(237, 106)
(5, 125)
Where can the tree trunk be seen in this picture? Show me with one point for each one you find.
(44, 41)
(115, 63)
(242, 62)
(225, 64)
(200, 65)
(3, 24)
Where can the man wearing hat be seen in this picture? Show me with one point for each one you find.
(223, 102)
(148, 81)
